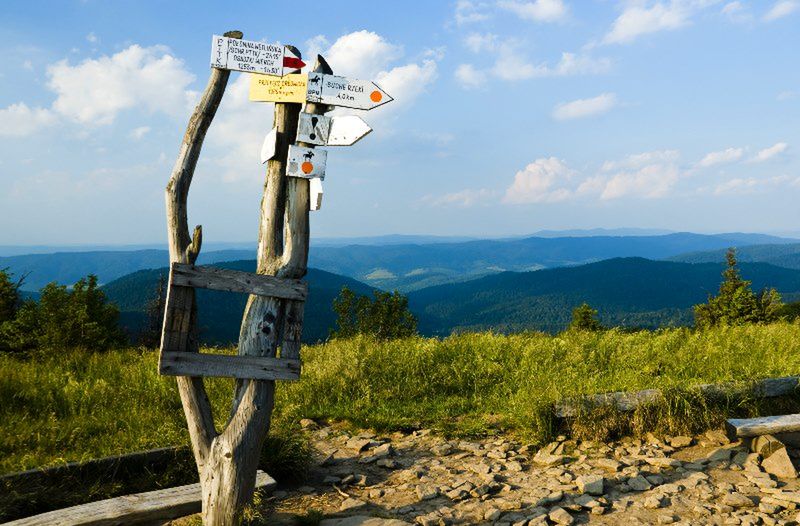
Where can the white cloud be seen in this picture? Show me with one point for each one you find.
(786, 95)
(769, 153)
(650, 182)
(744, 185)
(728, 155)
(96, 90)
(641, 18)
(138, 133)
(537, 10)
(368, 55)
(468, 12)
(582, 108)
(511, 64)
(91, 37)
(464, 198)
(542, 181)
(477, 42)
(469, 77)
(736, 12)
(572, 64)
(639, 160)
(781, 9)
(18, 120)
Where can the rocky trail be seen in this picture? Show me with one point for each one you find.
(420, 478)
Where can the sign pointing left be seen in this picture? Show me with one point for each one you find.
(253, 57)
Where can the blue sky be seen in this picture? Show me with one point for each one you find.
(510, 116)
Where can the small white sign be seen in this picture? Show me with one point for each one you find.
(306, 162)
(315, 194)
(253, 57)
(349, 93)
(269, 145)
(344, 130)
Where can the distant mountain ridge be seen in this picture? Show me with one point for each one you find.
(782, 255)
(394, 263)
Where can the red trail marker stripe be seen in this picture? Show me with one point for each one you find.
(292, 62)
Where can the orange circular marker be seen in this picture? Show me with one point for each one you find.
(307, 167)
(376, 96)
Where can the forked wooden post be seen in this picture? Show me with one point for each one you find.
(227, 460)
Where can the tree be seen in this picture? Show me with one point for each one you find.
(584, 318)
(385, 316)
(736, 303)
(151, 335)
(65, 319)
(9, 296)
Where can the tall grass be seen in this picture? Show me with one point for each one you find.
(74, 406)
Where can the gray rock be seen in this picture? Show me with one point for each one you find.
(360, 520)
(591, 484)
(680, 441)
(425, 492)
(780, 465)
(737, 500)
(720, 454)
(560, 516)
(351, 503)
(492, 514)
(639, 483)
(609, 464)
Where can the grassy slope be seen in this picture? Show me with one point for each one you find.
(77, 406)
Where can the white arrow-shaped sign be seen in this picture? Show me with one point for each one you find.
(269, 145)
(253, 57)
(343, 130)
(349, 93)
(315, 194)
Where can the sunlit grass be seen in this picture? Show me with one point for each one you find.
(75, 406)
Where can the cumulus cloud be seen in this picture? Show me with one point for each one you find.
(650, 181)
(96, 90)
(138, 133)
(728, 155)
(478, 42)
(469, 12)
(542, 181)
(769, 153)
(368, 55)
(18, 120)
(469, 77)
(582, 108)
(537, 10)
(642, 18)
(781, 9)
(736, 12)
(745, 185)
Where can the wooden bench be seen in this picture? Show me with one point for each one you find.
(152, 507)
(765, 425)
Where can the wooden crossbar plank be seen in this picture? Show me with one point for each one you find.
(230, 366)
(765, 425)
(149, 507)
(237, 281)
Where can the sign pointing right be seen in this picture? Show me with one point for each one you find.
(349, 93)
(342, 130)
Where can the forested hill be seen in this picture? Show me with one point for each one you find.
(632, 292)
(220, 313)
(781, 255)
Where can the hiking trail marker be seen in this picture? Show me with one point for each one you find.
(253, 57)
(291, 88)
(343, 130)
(306, 162)
(348, 93)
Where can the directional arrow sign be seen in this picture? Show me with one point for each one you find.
(349, 93)
(344, 130)
(253, 57)
(315, 194)
(306, 162)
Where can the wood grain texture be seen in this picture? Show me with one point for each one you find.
(626, 401)
(237, 281)
(139, 508)
(765, 425)
(217, 365)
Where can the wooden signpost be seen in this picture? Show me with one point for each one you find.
(272, 325)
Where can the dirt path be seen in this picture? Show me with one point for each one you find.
(421, 478)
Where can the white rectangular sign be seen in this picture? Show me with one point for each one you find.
(253, 57)
(342, 130)
(349, 93)
(306, 162)
(315, 194)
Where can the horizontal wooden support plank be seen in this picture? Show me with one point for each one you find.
(139, 508)
(237, 281)
(629, 400)
(230, 366)
(765, 425)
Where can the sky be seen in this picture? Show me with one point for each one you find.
(510, 116)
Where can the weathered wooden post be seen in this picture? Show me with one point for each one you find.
(273, 317)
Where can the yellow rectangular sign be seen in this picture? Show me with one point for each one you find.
(266, 88)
